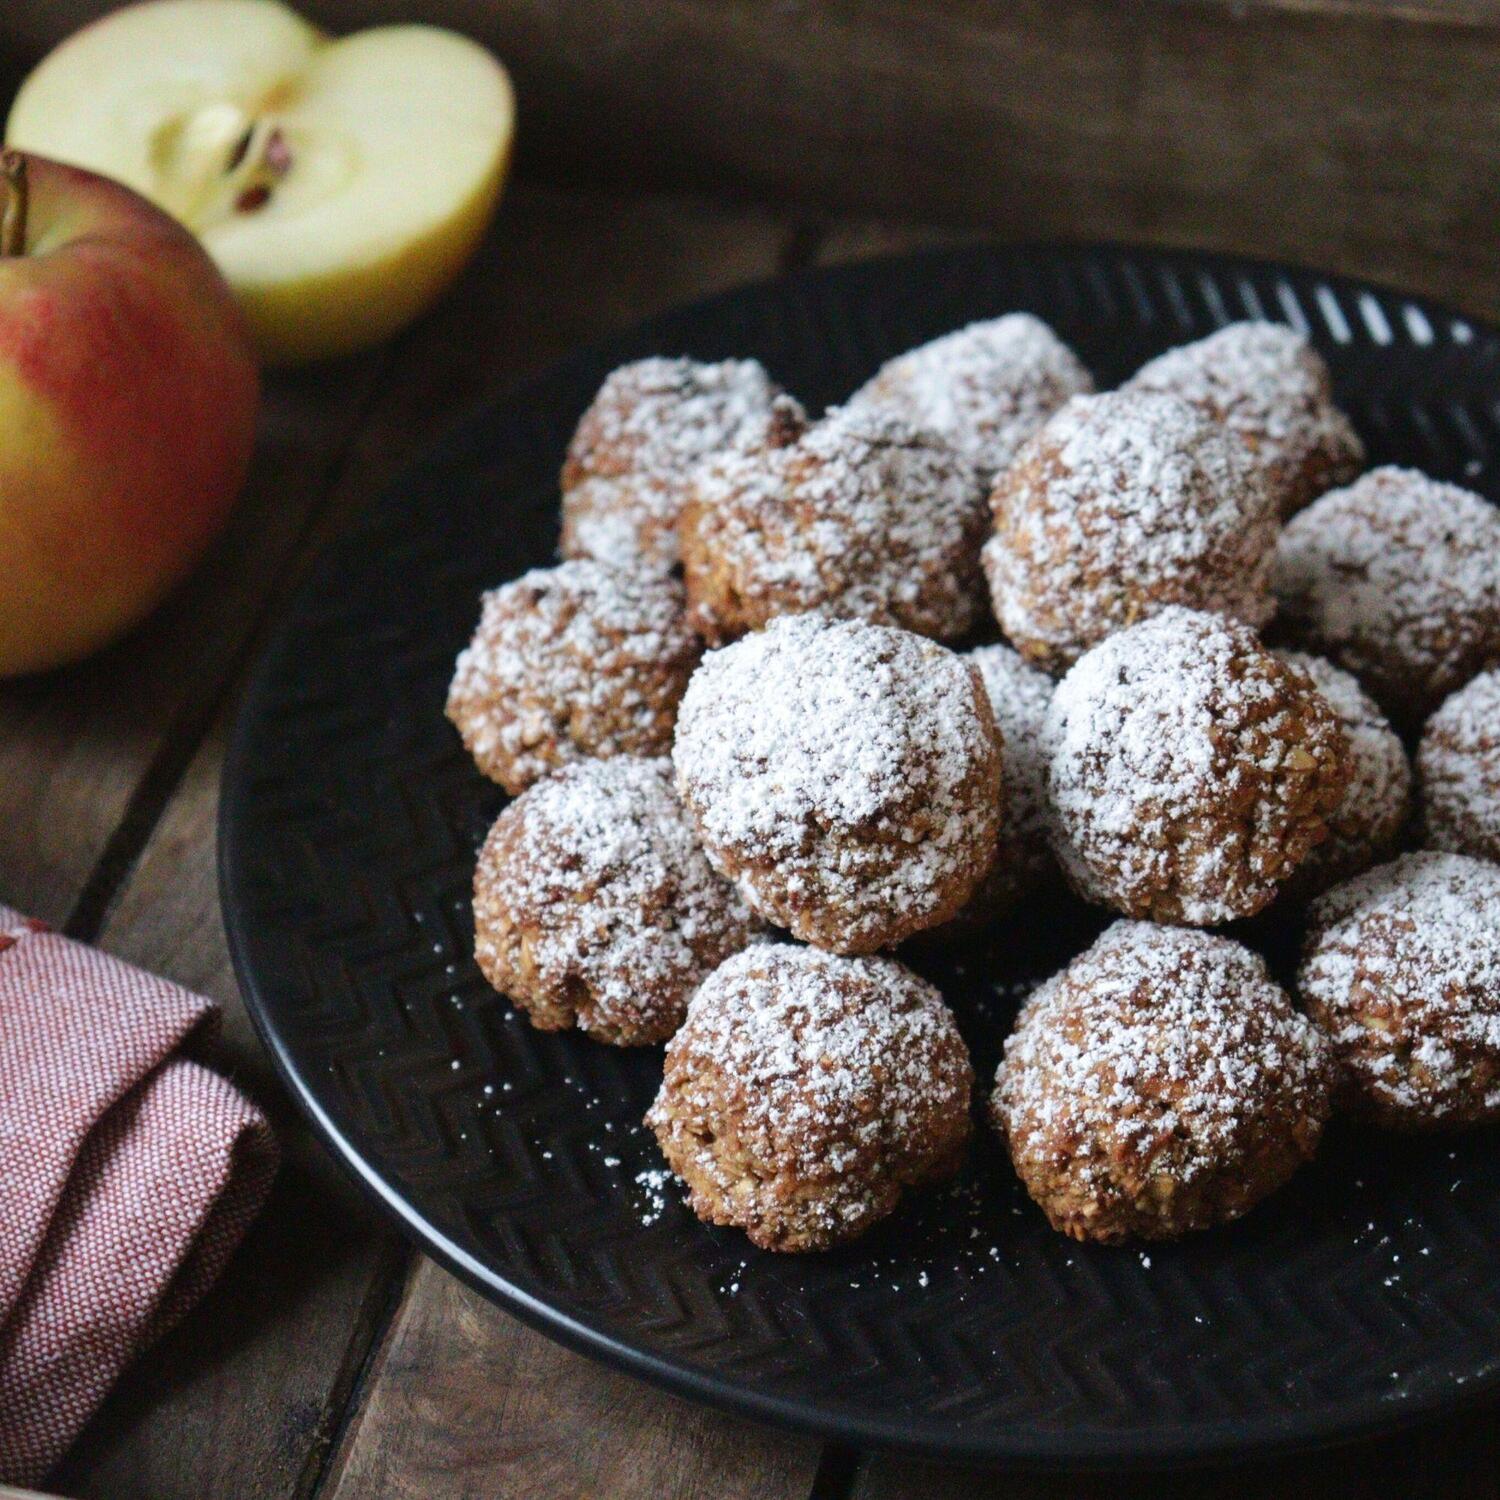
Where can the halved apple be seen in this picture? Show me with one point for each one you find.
(339, 185)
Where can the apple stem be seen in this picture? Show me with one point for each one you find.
(13, 216)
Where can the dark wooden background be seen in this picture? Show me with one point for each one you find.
(670, 149)
(1361, 135)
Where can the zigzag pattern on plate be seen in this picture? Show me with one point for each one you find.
(1370, 1287)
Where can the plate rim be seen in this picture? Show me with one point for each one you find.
(1081, 1449)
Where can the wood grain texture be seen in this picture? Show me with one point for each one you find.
(1356, 134)
(1344, 136)
(1450, 1461)
(467, 1402)
(77, 746)
(244, 1398)
(449, 1408)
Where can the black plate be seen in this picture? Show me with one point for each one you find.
(1364, 1295)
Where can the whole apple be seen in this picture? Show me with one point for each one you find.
(128, 393)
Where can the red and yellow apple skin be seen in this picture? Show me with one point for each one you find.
(128, 395)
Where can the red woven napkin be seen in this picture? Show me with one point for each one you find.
(127, 1177)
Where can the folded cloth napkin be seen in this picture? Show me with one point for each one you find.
(127, 1177)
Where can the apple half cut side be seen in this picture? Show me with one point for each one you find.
(339, 185)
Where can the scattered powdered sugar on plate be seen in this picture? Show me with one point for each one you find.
(592, 897)
(1270, 387)
(1402, 970)
(1459, 760)
(571, 661)
(1122, 505)
(846, 775)
(863, 517)
(653, 1185)
(985, 388)
(1395, 578)
(1189, 770)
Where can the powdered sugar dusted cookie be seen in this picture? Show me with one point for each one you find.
(1395, 579)
(1364, 828)
(652, 422)
(805, 1093)
(1189, 771)
(1402, 971)
(1161, 1083)
(1459, 761)
(863, 518)
(569, 662)
(595, 907)
(1271, 389)
(984, 389)
(1018, 694)
(845, 776)
(1122, 505)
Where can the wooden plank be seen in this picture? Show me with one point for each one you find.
(1448, 1461)
(1362, 135)
(76, 746)
(29, 30)
(420, 1411)
(242, 1400)
(466, 1401)
(836, 241)
(1358, 134)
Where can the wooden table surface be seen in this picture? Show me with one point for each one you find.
(333, 1360)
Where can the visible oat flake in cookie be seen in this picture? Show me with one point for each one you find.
(1270, 388)
(1120, 506)
(651, 423)
(1190, 772)
(594, 906)
(569, 662)
(1402, 971)
(846, 776)
(1161, 1083)
(863, 518)
(985, 388)
(806, 1092)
